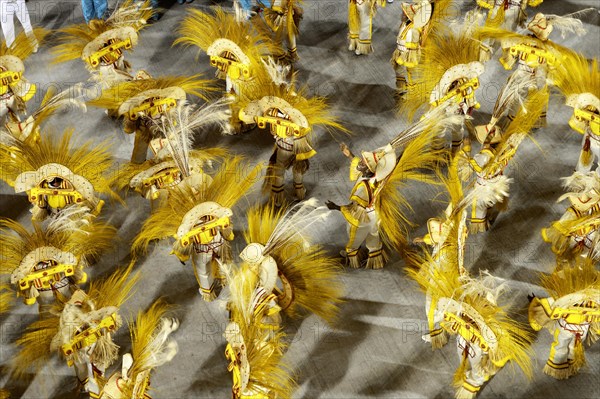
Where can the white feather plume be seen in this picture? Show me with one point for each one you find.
(490, 193)
(298, 221)
(277, 72)
(566, 25)
(435, 120)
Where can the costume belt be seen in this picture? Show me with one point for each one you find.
(206, 248)
(579, 329)
(465, 346)
(284, 145)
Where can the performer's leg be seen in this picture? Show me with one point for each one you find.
(437, 335)
(366, 28)
(299, 169)
(353, 25)
(475, 376)
(140, 149)
(401, 79)
(376, 258)
(89, 13)
(100, 7)
(282, 160)
(478, 220)
(356, 236)
(457, 138)
(557, 365)
(203, 270)
(7, 12)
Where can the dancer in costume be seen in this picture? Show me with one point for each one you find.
(151, 347)
(101, 43)
(280, 250)
(81, 331)
(490, 193)
(283, 18)
(487, 338)
(47, 264)
(447, 76)
(571, 313)
(255, 345)
(235, 48)
(200, 220)
(579, 81)
(144, 103)
(290, 115)
(535, 56)
(176, 163)
(577, 233)
(418, 20)
(360, 24)
(57, 176)
(375, 214)
(15, 89)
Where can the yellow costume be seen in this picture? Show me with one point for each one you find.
(57, 176)
(446, 77)
(145, 103)
(199, 218)
(15, 89)
(490, 193)
(80, 331)
(306, 280)
(46, 265)
(101, 43)
(571, 314)
(151, 347)
(579, 81)
(291, 116)
(283, 18)
(487, 338)
(577, 233)
(360, 24)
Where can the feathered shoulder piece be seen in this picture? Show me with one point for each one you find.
(6, 298)
(446, 57)
(281, 246)
(119, 30)
(85, 167)
(151, 347)
(255, 344)
(23, 46)
(67, 247)
(233, 180)
(124, 95)
(220, 35)
(576, 75)
(413, 164)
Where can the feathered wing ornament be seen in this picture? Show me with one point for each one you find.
(255, 345)
(310, 279)
(6, 298)
(413, 165)
(576, 75)
(233, 180)
(151, 347)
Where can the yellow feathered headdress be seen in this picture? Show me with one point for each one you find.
(113, 97)
(6, 298)
(68, 241)
(92, 162)
(130, 16)
(255, 347)
(577, 75)
(233, 180)
(36, 341)
(442, 51)
(209, 32)
(311, 279)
